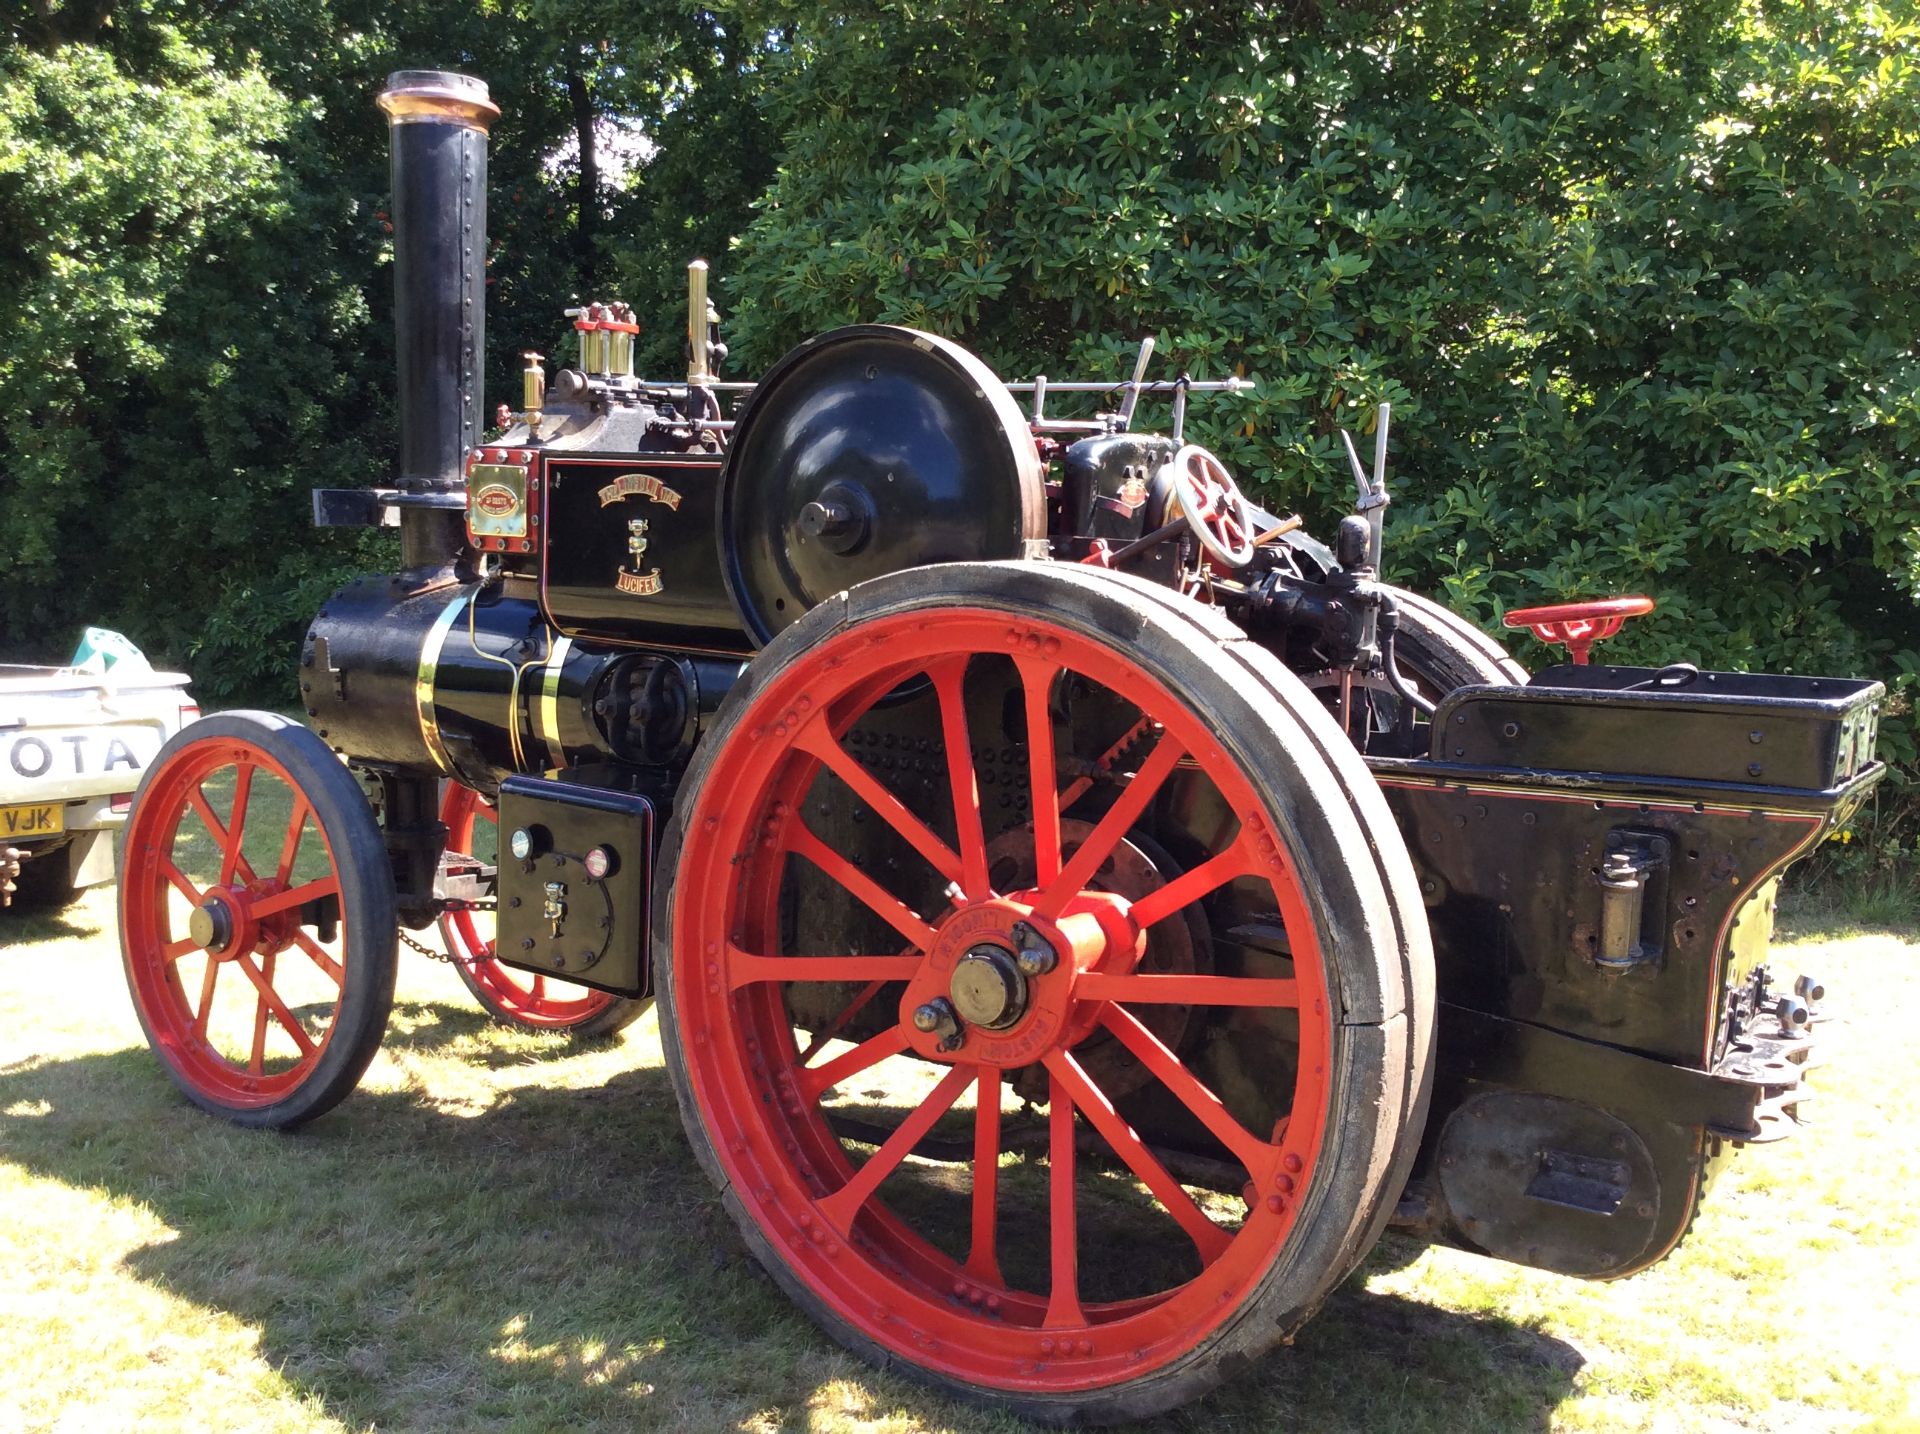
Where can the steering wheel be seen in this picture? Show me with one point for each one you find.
(1579, 624)
(1214, 506)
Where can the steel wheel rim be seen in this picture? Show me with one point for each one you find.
(526, 997)
(877, 1273)
(263, 912)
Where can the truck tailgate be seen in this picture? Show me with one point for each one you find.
(64, 738)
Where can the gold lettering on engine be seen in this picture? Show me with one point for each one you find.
(639, 485)
(639, 584)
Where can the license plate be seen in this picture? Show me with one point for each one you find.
(42, 819)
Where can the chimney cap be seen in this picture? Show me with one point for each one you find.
(437, 97)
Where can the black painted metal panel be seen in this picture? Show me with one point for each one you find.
(630, 554)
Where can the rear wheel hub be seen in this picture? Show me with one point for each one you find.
(988, 989)
(1008, 1017)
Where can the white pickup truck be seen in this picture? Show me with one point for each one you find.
(74, 742)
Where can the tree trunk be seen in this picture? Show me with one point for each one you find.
(587, 192)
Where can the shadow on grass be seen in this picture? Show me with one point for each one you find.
(557, 1260)
(432, 1028)
(21, 927)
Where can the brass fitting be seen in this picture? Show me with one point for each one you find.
(699, 311)
(437, 97)
(533, 390)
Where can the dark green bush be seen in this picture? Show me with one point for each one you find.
(1642, 283)
(195, 307)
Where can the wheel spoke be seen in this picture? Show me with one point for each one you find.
(258, 1063)
(174, 950)
(177, 879)
(814, 1082)
(1207, 1237)
(197, 799)
(296, 896)
(1036, 681)
(321, 959)
(744, 968)
(1276, 991)
(949, 685)
(840, 1207)
(1251, 1151)
(1190, 886)
(290, 847)
(207, 979)
(983, 1259)
(236, 824)
(272, 1000)
(849, 709)
(1118, 821)
(537, 989)
(834, 1027)
(803, 843)
(1063, 1229)
(1080, 786)
(819, 742)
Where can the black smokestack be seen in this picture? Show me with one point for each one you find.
(438, 124)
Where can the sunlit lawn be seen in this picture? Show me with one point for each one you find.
(500, 1232)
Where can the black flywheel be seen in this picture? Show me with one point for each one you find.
(867, 451)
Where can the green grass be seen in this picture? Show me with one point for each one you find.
(502, 1232)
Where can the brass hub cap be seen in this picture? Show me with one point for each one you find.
(988, 989)
(210, 927)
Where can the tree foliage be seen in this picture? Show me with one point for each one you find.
(1642, 283)
(196, 292)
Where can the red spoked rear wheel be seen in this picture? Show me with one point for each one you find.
(515, 998)
(852, 1011)
(257, 922)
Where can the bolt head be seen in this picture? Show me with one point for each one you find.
(1036, 960)
(927, 1018)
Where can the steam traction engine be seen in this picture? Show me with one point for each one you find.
(1082, 910)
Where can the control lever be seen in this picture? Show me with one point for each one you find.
(1372, 499)
(1370, 505)
(1133, 386)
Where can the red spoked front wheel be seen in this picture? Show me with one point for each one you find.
(526, 999)
(257, 923)
(864, 1010)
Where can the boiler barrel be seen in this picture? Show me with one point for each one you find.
(459, 680)
(462, 680)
